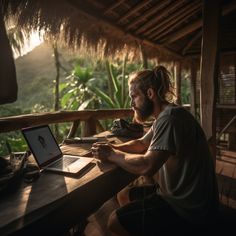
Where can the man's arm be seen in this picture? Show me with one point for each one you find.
(135, 146)
(147, 164)
(140, 164)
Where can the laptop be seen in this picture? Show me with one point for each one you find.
(48, 154)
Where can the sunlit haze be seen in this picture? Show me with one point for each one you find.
(34, 40)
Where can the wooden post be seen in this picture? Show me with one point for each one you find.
(209, 68)
(193, 80)
(89, 127)
(232, 141)
(73, 129)
(235, 79)
(143, 56)
(99, 127)
(178, 82)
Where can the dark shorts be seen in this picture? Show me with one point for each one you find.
(148, 213)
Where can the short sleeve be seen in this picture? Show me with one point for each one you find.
(166, 135)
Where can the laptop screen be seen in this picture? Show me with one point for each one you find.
(42, 144)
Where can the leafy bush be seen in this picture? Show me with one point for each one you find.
(76, 94)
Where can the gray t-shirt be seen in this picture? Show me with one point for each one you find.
(187, 179)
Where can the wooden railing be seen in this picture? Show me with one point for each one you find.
(90, 117)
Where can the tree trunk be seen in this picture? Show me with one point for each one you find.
(57, 65)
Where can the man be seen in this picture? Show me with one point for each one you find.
(176, 148)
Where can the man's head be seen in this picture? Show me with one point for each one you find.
(149, 87)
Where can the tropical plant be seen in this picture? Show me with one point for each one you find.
(15, 137)
(116, 94)
(185, 91)
(16, 141)
(76, 92)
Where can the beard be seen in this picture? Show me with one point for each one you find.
(145, 111)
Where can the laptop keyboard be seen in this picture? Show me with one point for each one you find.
(64, 162)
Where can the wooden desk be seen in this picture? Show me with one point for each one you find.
(54, 203)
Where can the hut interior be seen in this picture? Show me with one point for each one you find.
(194, 35)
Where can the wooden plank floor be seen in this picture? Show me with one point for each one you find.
(226, 176)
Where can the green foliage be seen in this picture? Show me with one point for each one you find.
(185, 91)
(104, 86)
(76, 94)
(9, 110)
(15, 140)
(115, 94)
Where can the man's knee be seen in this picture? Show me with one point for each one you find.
(123, 196)
(114, 225)
(112, 221)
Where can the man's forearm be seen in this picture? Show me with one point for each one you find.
(134, 163)
(133, 146)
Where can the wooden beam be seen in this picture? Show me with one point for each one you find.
(18, 122)
(143, 57)
(176, 22)
(184, 31)
(228, 153)
(193, 79)
(143, 17)
(162, 14)
(192, 41)
(167, 22)
(133, 10)
(89, 128)
(231, 51)
(235, 79)
(113, 6)
(225, 128)
(178, 82)
(73, 129)
(162, 49)
(226, 106)
(209, 66)
(197, 24)
(92, 14)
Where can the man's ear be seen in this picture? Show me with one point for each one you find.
(150, 93)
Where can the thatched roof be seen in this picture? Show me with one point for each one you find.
(165, 28)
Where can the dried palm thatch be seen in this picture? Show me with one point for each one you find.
(65, 20)
(167, 29)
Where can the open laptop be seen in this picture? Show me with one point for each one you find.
(48, 154)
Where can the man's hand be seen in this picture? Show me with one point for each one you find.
(102, 151)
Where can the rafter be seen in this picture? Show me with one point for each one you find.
(154, 21)
(133, 10)
(192, 41)
(178, 16)
(196, 25)
(148, 13)
(177, 23)
(113, 6)
(112, 25)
